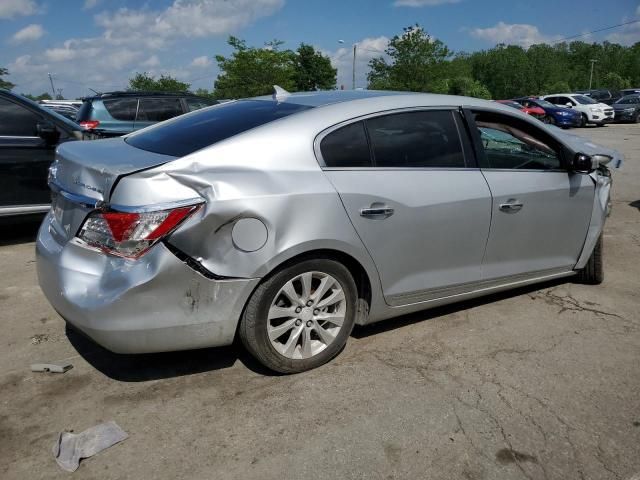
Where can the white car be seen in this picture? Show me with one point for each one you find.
(591, 111)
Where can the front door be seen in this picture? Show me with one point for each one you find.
(421, 212)
(540, 212)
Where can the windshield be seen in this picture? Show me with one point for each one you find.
(183, 135)
(584, 100)
(627, 99)
(543, 104)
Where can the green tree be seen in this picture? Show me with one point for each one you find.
(468, 87)
(5, 83)
(203, 92)
(504, 70)
(313, 71)
(145, 82)
(417, 60)
(615, 81)
(42, 96)
(557, 87)
(251, 71)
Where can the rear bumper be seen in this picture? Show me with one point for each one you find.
(154, 304)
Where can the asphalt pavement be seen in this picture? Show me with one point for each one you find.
(537, 383)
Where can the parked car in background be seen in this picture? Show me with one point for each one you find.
(590, 110)
(66, 108)
(628, 109)
(602, 96)
(532, 110)
(114, 114)
(29, 135)
(560, 116)
(630, 91)
(288, 219)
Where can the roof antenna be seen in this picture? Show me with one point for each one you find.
(97, 93)
(280, 94)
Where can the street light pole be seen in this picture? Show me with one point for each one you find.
(591, 76)
(53, 90)
(353, 71)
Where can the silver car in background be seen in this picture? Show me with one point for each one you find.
(288, 219)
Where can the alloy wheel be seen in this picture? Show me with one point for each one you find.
(306, 315)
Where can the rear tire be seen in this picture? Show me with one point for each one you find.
(290, 335)
(593, 271)
(548, 119)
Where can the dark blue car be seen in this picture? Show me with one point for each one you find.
(555, 115)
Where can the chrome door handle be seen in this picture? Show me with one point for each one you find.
(376, 212)
(511, 206)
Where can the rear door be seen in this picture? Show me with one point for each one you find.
(540, 212)
(24, 157)
(153, 110)
(417, 201)
(119, 116)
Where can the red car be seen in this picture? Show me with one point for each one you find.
(535, 111)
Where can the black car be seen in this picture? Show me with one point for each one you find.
(627, 109)
(603, 96)
(113, 114)
(29, 135)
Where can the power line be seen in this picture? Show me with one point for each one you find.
(595, 31)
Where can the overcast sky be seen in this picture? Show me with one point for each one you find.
(99, 44)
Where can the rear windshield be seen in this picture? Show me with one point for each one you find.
(185, 135)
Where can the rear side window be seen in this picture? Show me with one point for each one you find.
(122, 108)
(17, 121)
(203, 128)
(346, 147)
(416, 140)
(158, 109)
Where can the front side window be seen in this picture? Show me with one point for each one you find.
(158, 109)
(123, 109)
(416, 139)
(17, 121)
(513, 144)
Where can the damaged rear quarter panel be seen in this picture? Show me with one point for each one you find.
(268, 174)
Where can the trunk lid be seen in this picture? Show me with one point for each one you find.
(84, 174)
(91, 169)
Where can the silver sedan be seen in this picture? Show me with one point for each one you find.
(288, 219)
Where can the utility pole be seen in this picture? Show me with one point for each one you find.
(53, 90)
(353, 76)
(593, 61)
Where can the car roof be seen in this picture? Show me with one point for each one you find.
(138, 94)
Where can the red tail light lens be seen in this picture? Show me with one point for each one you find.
(131, 234)
(89, 124)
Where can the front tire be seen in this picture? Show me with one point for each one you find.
(593, 271)
(301, 316)
(584, 120)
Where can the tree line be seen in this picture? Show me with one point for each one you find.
(415, 61)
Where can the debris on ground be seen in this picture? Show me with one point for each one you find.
(38, 338)
(70, 448)
(58, 367)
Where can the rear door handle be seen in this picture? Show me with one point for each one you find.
(383, 211)
(511, 206)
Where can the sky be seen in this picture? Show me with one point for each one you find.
(100, 44)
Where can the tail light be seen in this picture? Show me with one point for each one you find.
(89, 124)
(131, 234)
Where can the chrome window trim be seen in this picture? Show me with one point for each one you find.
(321, 135)
(18, 137)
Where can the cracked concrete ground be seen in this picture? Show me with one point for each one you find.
(539, 383)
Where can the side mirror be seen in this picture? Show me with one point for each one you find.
(569, 104)
(47, 131)
(581, 163)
